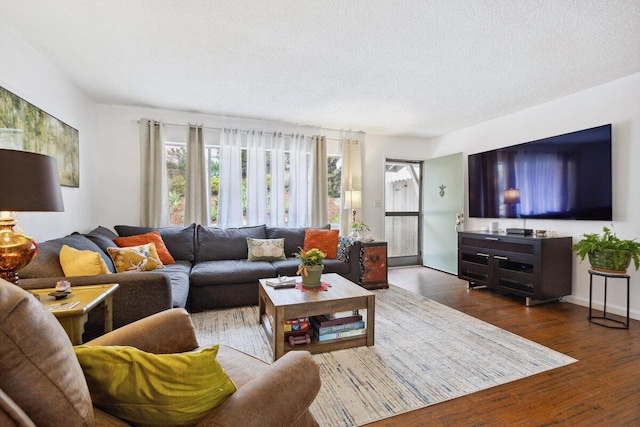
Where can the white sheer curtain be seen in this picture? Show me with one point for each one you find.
(299, 189)
(257, 208)
(319, 192)
(230, 192)
(154, 194)
(277, 202)
(351, 177)
(197, 196)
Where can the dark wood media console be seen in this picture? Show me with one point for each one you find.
(538, 268)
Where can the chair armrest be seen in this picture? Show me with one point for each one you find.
(170, 331)
(280, 396)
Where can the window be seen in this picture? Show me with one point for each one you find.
(176, 160)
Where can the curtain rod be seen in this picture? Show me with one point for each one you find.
(253, 130)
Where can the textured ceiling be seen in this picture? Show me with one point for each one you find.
(419, 68)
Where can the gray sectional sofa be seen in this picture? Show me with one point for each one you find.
(211, 269)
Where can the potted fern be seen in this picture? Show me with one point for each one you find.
(608, 253)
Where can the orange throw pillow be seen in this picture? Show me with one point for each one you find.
(141, 239)
(325, 240)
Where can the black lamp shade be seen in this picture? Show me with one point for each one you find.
(30, 182)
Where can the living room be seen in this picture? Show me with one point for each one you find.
(109, 161)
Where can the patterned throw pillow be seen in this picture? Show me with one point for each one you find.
(149, 389)
(151, 237)
(265, 249)
(325, 240)
(135, 258)
(75, 262)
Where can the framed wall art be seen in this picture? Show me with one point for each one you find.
(25, 127)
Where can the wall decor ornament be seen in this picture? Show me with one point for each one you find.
(25, 127)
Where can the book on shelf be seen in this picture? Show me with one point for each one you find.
(342, 334)
(325, 320)
(359, 324)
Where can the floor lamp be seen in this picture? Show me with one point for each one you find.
(31, 184)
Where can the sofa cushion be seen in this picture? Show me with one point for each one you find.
(179, 240)
(103, 238)
(179, 275)
(46, 263)
(226, 243)
(75, 262)
(149, 389)
(265, 249)
(39, 370)
(136, 258)
(293, 237)
(324, 240)
(150, 237)
(224, 272)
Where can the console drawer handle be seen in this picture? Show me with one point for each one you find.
(492, 238)
(481, 254)
(500, 257)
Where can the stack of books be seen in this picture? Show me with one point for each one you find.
(332, 328)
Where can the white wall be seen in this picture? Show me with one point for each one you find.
(375, 151)
(27, 74)
(616, 103)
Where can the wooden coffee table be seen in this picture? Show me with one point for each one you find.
(278, 305)
(73, 316)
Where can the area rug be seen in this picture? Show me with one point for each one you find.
(424, 353)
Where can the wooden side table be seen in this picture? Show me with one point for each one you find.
(373, 265)
(73, 311)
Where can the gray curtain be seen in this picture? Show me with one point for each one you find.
(197, 196)
(319, 198)
(154, 194)
(351, 178)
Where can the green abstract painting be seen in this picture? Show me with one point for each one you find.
(25, 127)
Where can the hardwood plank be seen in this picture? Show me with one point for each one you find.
(602, 388)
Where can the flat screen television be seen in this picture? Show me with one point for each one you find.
(562, 177)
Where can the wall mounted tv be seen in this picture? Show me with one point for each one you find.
(562, 177)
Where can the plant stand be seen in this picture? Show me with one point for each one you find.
(604, 318)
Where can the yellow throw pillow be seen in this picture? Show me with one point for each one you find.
(148, 389)
(135, 258)
(75, 262)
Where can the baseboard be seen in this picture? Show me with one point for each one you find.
(597, 305)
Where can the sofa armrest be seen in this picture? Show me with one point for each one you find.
(353, 258)
(139, 295)
(170, 331)
(280, 396)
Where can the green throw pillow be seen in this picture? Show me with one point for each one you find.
(265, 249)
(148, 389)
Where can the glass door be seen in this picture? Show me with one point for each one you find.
(402, 225)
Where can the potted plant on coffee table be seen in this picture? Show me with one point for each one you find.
(310, 268)
(608, 253)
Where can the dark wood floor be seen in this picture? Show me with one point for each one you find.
(601, 389)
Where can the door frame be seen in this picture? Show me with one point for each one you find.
(399, 261)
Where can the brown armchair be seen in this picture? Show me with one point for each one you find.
(41, 382)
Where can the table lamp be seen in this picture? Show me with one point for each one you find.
(353, 200)
(32, 184)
